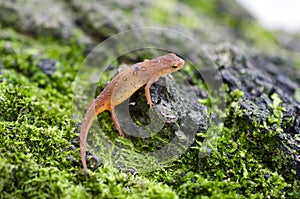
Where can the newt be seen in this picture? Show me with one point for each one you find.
(122, 86)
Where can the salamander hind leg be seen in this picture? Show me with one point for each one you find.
(116, 122)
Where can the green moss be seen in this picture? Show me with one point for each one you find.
(39, 140)
(247, 162)
(297, 95)
(206, 7)
(163, 13)
(262, 39)
(23, 55)
(297, 62)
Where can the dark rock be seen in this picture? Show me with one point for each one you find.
(172, 107)
(94, 161)
(252, 111)
(98, 20)
(230, 78)
(267, 176)
(34, 17)
(289, 42)
(48, 66)
(286, 84)
(297, 125)
(72, 159)
(275, 65)
(263, 102)
(259, 79)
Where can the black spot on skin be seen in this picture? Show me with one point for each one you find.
(137, 68)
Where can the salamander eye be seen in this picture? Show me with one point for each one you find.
(174, 66)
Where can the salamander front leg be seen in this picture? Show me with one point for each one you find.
(147, 90)
(116, 122)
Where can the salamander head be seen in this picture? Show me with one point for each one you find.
(168, 63)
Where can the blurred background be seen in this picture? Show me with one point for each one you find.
(275, 14)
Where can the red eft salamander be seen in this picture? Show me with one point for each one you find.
(122, 87)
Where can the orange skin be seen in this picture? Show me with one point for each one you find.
(122, 87)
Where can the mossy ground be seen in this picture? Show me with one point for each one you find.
(38, 158)
(39, 140)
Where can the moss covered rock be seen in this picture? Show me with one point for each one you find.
(256, 150)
